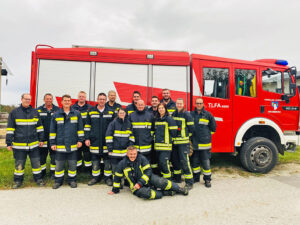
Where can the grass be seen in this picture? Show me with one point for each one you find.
(220, 162)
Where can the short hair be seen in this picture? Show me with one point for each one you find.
(101, 94)
(154, 96)
(166, 89)
(121, 109)
(199, 98)
(65, 96)
(82, 92)
(136, 92)
(22, 96)
(48, 94)
(131, 147)
(165, 106)
(111, 91)
(180, 99)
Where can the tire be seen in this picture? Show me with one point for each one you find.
(259, 155)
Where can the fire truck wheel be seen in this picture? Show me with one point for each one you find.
(259, 155)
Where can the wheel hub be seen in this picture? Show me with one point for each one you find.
(261, 155)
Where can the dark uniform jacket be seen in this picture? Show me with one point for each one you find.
(113, 108)
(118, 137)
(83, 110)
(171, 106)
(142, 125)
(155, 113)
(95, 128)
(185, 123)
(130, 108)
(205, 126)
(66, 130)
(24, 129)
(45, 116)
(136, 172)
(165, 129)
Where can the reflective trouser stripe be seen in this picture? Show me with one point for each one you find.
(206, 172)
(169, 185)
(96, 173)
(71, 173)
(36, 171)
(19, 172)
(87, 163)
(43, 167)
(177, 171)
(107, 173)
(153, 166)
(52, 167)
(197, 170)
(153, 194)
(59, 173)
(190, 175)
(79, 162)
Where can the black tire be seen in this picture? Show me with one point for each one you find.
(259, 155)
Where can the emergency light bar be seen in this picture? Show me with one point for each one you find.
(281, 62)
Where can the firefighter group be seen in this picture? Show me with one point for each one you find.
(149, 150)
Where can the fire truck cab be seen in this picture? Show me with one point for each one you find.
(255, 103)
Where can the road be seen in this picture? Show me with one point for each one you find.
(267, 199)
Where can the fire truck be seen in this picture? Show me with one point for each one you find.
(255, 103)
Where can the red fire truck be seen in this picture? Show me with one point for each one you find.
(255, 103)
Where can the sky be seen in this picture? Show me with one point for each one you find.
(233, 28)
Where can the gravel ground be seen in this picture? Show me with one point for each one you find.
(267, 199)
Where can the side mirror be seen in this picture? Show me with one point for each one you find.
(285, 98)
(293, 71)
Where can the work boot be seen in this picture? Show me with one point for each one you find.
(17, 184)
(56, 185)
(109, 182)
(188, 186)
(73, 184)
(168, 193)
(184, 191)
(207, 183)
(196, 178)
(40, 183)
(93, 181)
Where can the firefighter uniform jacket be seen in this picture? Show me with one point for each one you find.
(95, 129)
(165, 129)
(154, 113)
(115, 108)
(119, 137)
(24, 129)
(131, 108)
(171, 106)
(136, 172)
(45, 116)
(83, 110)
(205, 126)
(66, 130)
(185, 124)
(142, 126)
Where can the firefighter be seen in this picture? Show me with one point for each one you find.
(111, 104)
(46, 111)
(154, 105)
(181, 146)
(132, 107)
(171, 105)
(205, 125)
(95, 128)
(83, 153)
(137, 171)
(165, 129)
(25, 133)
(118, 137)
(142, 126)
(66, 136)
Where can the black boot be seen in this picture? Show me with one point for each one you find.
(93, 181)
(109, 182)
(207, 183)
(40, 183)
(56, 185)
(17, 184)
(183, 191)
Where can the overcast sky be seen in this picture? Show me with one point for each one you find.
(232, 28)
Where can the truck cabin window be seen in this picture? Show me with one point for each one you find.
(245, 82)
(272, 81)
(216, 82)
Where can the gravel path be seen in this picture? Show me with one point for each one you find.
(270, 199)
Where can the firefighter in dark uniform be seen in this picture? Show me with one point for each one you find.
(132, 107)
(137, 171)
(111, 104)
(66, 136)
(118, 137)
(142, 126)
(25, 133)
(46, 111)
(154, 110)
(171, 105)
(95, 128)
(205, 126)
(181, 145)
(83, 153)
(165, 129)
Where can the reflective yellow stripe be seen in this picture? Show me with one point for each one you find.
(120, 151)
(94, 147)
(52, 134)
(153, 194)
(204, 120)
(40, 128)
(72, 172)
(27, 120)
(94, 113)
(169, 185)
(60, 172)
(161, 123)
(25, 144)
(212, 132)
(173, 128)
(118, 174)
(142, 123)
(129, 112)
(38, 169)
(59, 119)
(109, 137)
(204, 145)
(80, 132)
(190, 123)
(177, 171)
(146, 167)
(87, 125)
(126, 170)
(123, 132)
(73, 118)
(84, 114)
(145, 178)
(117, 185)
(10, 129)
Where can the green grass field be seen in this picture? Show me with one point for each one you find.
(226, 162)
